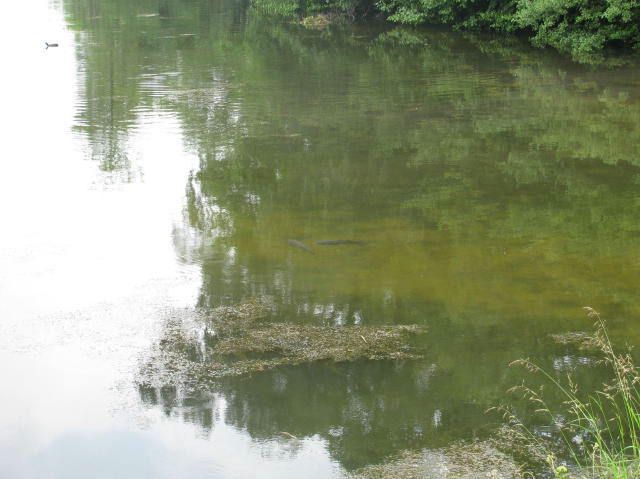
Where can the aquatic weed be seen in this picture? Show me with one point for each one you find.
(242, 339)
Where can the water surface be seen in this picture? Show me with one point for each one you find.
(160, 160)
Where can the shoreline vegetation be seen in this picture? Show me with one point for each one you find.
(597, 431)
(581, 28)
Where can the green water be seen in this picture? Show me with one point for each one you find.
(176, 147)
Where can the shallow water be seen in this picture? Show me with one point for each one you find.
(157, 163)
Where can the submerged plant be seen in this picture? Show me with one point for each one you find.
(238, 340)
(602, 430)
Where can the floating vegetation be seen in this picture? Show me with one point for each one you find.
(461, 460)
(231, 341)
(297, 344)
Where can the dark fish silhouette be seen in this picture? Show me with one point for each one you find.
(50, 44)
(334, 242)
(299, 244)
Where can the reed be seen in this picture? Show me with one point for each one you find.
(601, 430)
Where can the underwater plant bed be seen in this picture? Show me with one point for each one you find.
(198, 347)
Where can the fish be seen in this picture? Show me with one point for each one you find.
(50, 44)
(334, 242)
(299, 244)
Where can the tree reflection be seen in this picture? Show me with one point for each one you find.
(494, 186)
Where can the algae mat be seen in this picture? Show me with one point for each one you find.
(506, 454)
(200, 346)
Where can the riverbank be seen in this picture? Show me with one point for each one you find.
(582, 29)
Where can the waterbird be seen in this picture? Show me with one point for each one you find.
(299, 244)
(50, 44)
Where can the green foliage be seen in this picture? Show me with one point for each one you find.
(302, 8)
(448, 12)
(576, 26)
(579, 26)
(282, 8)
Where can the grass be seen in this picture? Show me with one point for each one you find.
(600, 430)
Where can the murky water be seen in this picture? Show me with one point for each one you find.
(158, 162)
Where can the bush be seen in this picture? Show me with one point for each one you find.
(579, 26)
(576, 26)
(303, 8)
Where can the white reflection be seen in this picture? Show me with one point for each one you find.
(437, 418)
